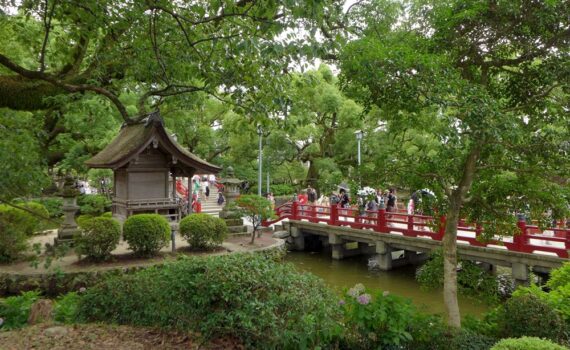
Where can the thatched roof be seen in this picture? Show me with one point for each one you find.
(135, 138)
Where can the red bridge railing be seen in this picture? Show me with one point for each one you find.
(527, 239)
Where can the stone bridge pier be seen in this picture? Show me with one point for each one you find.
(395, 250)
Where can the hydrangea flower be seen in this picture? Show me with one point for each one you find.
(342, 302)
(386, 293)
(364, 299)
(356, 290)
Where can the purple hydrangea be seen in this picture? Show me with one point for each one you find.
(364, 299)
(342, 302)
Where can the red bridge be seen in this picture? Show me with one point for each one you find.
(390, 231)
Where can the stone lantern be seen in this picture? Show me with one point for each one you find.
(68, 228)
(231, 191)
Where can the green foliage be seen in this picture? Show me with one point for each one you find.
(81, 220)
(262, 303)
(146, 233)
(93, 204)
(527, 315)
(65, 308)
(29, 221)
(255, 208)
(54, 206)
(16, 310)
(13, 241)
(472, 280)
(558, 291)
(526, 343)
(375, 322)
(559, 277)
(203, 231)
(282, 189)
(99, 237)
(22, 170)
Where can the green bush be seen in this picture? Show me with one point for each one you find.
(81, 220)
(262, 303)
(65, 308)
(146, 233)
(203, 230)
(99, 237)
(28, 222)
(16, 310)
(527, 315)
(13, 239)
(54, 206)
(375, 322)
(526, 343)
(93, 204)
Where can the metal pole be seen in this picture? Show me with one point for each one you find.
(359, 153)
(260, 180)
(268, 189)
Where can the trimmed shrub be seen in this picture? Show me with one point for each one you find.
(202, 231)
(527, 315)
(93, 204)
(54, 206)
(16, 310)
(24, 220)
(526, 343)
(146, 233)
(264, 304)
(99, 237)
(82, 219)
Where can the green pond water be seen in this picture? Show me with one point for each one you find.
(400, 281)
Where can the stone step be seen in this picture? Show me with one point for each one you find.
(280, 234)
(237, 229)
(234, 222)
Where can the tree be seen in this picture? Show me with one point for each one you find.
(485, 86)
(257, 209)
(155, 49)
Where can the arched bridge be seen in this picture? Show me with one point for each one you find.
(348, 232)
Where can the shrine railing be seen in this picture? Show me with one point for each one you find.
(526, 239)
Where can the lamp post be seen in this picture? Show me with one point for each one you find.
(260, 160)
(359, 134)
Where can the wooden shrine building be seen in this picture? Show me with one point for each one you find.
(146, 162)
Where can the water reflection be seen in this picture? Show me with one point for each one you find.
(348, 272)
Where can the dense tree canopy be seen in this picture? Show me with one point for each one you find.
(478, 93)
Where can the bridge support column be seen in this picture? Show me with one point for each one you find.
(298, 238)
(520, 273)
(384, 256)
(337, 246)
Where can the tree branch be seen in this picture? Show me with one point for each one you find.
(47, 25)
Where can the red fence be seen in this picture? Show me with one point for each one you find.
(527, 239)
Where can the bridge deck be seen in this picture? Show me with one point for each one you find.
(529, 244)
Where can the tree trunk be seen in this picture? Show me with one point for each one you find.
(450, 268)
(450, 238)
(313, 175)
(252, 236)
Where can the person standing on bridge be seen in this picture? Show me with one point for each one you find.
(391, 203)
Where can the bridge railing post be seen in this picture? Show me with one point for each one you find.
(567, 231)
(520, 239)
(381, 224)
(410, 230)
(294, 209)
(333, 215)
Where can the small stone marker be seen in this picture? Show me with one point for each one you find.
(56, 332)
(41, 311)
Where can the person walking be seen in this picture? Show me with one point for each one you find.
(312, 195)
(392, 199)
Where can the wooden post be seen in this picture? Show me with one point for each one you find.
(381, 225)
(520, 239)
(410, 230)
(334, 215)
(294, 208)
(567, 231)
